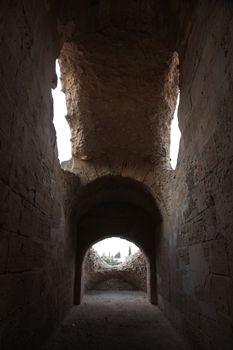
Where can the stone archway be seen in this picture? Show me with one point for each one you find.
(120, 207)
(103, 272)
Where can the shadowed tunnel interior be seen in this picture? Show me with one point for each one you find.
(126, 209)
(123, 65)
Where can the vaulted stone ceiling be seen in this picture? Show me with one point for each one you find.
(120, 77)
(120, 100)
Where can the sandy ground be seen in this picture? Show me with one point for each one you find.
(115, 321)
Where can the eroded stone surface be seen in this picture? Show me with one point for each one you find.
(38, 227)
(132, 272)
(34, 270)
(116, 320)
(118, 94)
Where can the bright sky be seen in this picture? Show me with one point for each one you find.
(115, 245)
(175, 136)
(59, 120)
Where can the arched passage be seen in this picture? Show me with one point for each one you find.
(117, 206)
(114, 264)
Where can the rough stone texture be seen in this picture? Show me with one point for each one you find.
(197, 292)
(120, 76)
(110, 207)
(116, 320)
(132, 272)
(36, 260)
(114, 284)
(194, 250)
(114, 92)
(182, 219)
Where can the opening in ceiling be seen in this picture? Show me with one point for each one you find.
(175, 136)
(59, 120)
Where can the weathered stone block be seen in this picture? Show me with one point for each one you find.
(218, 257)
(183, 256)
(44, 229)
(219, 331)
(15, 292)
(221, 293)
(10, 207)
(188, 283)
(22, 179)
(43, 199)
(196, 233)
(20, 253)
(40, 255)
(199, 266)
(4, 247)
(209, 222)
(207, 309)
(6, 156)
(28, 222)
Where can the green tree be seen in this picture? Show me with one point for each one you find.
(110, 260)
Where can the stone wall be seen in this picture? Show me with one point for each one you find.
(121, 207)
(132, 272)
(35, 265)
(193, 240)
(194, 249)
(196, 291)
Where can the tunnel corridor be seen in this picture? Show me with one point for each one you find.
(117, 206)
(124, 66)
(115, 320)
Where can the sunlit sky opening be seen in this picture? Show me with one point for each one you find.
(114, 245)
(175, 136)
(59, 120)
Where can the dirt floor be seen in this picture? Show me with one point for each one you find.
(115, 321)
